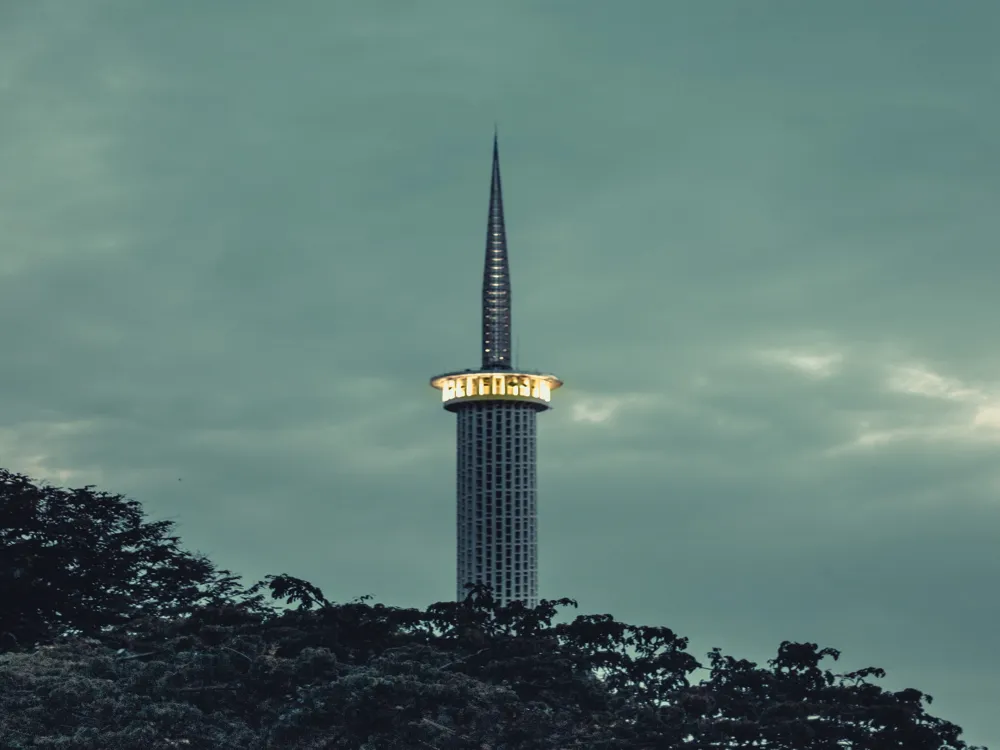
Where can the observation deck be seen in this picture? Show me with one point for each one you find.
(458, 388)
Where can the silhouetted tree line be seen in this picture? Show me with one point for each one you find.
(113, 637)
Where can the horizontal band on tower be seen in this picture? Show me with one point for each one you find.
(460, 387)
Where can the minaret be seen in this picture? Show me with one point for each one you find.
(497, 540)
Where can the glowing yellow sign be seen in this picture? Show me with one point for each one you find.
(485, 385)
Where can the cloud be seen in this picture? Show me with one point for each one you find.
(603, 408)
(32, 448)
(236, 254)
(812, 364)
(971, 413)
(922, 381)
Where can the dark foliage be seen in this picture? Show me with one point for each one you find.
(196, 662)
(79, 560)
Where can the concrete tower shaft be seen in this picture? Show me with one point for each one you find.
(497, 522)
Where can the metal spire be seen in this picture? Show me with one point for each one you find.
(496, 280)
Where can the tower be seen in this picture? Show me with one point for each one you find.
(495, 406)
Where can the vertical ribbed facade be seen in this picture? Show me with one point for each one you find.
(497, 530)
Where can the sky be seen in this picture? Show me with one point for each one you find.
(756, 240)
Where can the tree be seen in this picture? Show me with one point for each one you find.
(79, 561)
(472, 675)
(226, 677)
(352, 675)
(80, 695)
(147, 646)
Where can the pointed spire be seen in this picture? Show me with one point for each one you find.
(496, 279)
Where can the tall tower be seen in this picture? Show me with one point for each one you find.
(496, 407)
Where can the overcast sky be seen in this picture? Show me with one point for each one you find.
(756, 240)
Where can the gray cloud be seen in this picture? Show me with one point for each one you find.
(755, 240)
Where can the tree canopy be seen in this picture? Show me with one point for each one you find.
(80, 560)
(200, 662)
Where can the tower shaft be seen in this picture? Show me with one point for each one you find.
(497, 525)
